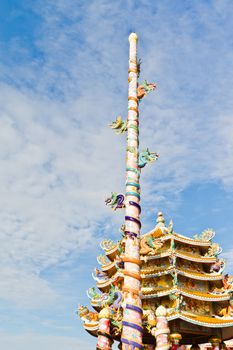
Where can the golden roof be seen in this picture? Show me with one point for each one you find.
(152, 292)
(209, 321)
(154, 272)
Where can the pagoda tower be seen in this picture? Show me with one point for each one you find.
(159, 289)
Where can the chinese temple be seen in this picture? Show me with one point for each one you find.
(157, 290)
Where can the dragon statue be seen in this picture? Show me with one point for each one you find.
(227, 287)
(213, 250)
(217, 267)
(149, 245)
(119, 124)
(149, 318)
(116, 201)
(146, 157)
(177, 302)
(170, 229)
(86, 315)
(144, 89)
(112, 298)
(227, 312)
(206, 235)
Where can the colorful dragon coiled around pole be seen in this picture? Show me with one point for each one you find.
(119, 125)
(146, 157)
(116, 201)
(144, 89)
(132, 329)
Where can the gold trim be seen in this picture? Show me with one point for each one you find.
(131, 290)
(133, 70)
(132, 274)
(133, 99)
(132, 260)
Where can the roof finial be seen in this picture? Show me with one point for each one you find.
(160, 220)
(133, 36)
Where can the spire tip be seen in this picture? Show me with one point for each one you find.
(133, 36)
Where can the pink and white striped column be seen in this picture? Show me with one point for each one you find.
(104, 336)
(162, 331)
(132, 318)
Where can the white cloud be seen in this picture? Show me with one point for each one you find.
(59, 160)
(38, 342)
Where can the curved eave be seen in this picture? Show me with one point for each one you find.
(91, 328)
(191, 241)
(96, 304)
(110, 268)
(205, 321)
(190, 257)
(112, 253)
(106, 284)
(194, 295)
(193, 275)
(179, 238)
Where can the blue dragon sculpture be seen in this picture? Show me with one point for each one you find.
(146, 157)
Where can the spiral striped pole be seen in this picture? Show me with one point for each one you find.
(162, 331)
(132, 330)
(104, 336)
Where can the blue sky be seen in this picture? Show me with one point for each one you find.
(63, 70)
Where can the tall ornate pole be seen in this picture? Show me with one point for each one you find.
(132, 318)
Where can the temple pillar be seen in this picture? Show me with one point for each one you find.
(162, 331)
(104, 336)
(215, 342)
(175, 339)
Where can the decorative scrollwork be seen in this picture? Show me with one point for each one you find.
(107, 244)
(213, 250)
(206, 235)
(102, 260)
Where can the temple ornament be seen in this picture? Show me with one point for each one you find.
(170, 227)
(119, 125)
(116, 201)
(160, 282)
(144, 89)
(86, 315)
(206, 235)
(214, 250)
(146, 157)
(150, 245)
(108, 244)
(99, 275)
(217, 267)
(102, 260)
